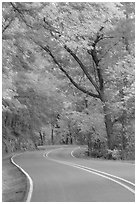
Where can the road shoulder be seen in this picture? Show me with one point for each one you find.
(14, 182)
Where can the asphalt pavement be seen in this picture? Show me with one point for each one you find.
(60, 177)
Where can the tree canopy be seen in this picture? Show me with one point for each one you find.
(68, 67)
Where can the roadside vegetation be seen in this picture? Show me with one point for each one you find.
(68, 77)
(14, 182)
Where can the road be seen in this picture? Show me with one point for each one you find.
(60, 177)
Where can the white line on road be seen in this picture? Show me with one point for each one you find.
(47, 153)
(72, 152)
(107, 174)
(28, 177)
(93, 171)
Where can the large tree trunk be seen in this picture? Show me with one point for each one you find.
(123, 132)
(41, 137)
(52, 135)
(108, 125)
(97, 84)
(107, 120)
(71, 140)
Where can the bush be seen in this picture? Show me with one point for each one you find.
(97, 148)
(113, 154)
(96, 153)
(104, 153)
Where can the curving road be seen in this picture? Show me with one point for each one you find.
(60, 177)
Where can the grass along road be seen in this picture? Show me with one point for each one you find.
(14, 182)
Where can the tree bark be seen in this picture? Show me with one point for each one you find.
(52, 137)
(41, 138)
(71, 140)
(108, 125)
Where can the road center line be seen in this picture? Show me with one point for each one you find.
(107, 174)
(93, 171)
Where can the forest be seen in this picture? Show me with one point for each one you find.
(68, 76)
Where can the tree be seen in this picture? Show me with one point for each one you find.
(84, 40)
(30, 98)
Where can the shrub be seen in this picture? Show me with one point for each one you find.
(113, 154)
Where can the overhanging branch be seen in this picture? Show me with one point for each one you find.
(16, 9)
(82, 67)
(46, 48)
(7, 25)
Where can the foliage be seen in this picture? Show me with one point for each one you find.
(70, 66)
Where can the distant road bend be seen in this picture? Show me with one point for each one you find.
(58, 176)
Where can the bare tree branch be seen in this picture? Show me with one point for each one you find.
(109, 49)
(6, 26)
(93, 53)
(46, 48)
(20, 14)
(82, 67)
(52, 29)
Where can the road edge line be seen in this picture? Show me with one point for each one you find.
(45, 154)
(28, 177)
(73, 151)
